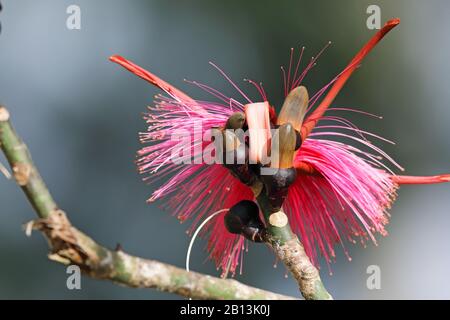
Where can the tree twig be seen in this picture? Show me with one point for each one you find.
(68, 245)
(290, 251)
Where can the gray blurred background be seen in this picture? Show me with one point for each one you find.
(80, 116)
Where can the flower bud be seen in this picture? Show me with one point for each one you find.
(243, 218)
(277, 186)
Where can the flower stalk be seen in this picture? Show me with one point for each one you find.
(277, 233)
(289, 249)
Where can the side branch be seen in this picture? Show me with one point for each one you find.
(23, 169)
(68, 245)
(71, 246)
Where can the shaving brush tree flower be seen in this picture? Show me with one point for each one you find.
(312, 187)
(282, 179)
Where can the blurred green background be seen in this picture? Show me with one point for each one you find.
(81, 114)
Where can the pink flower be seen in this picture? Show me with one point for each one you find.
(342, 192)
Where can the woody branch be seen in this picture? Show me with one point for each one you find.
(68, 245)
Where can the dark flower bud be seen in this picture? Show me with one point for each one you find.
(281, 173)
(277, 186)
(243, 218)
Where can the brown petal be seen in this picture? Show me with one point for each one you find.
(294, 108)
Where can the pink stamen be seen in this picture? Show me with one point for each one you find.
(231, 82)
(290, 68)
(258, 87)
(298, 65)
